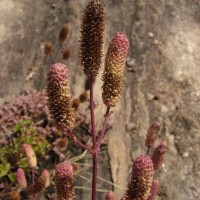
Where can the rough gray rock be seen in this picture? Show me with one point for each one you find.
(163, 61)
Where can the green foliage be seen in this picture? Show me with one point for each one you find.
(12, 156)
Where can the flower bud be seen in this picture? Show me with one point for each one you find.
(114, 67)
(30, 155)
(45, 173)
(48, 48)
(152, 134)
(159, 155)
(59, 96)
(92, 32)
(63, 180)
(110, 196)
(14, 195)
(83, 97)
(38, 186)
(154, 190)
(21, 178)
(66, 53)
(142, 175)
(63, 33)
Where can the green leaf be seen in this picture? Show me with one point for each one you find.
(12, 177)
(4, 169)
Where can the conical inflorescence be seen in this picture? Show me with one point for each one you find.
(114, 68)
(141, 182)
(152, 134)
(59, 96)
(159, 155)
(92, 32)
(64, 181)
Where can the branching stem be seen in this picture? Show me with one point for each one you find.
(103, 129)
(94, 172)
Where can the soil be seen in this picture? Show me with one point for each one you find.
(161, 80)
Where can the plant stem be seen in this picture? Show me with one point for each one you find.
(33, 175)
(94, 171)
(74, 139)
(84, 146)
(103, 129)
(148, 150)
(94, 176)
(92, 113)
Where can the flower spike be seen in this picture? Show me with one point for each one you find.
(59, 96)
(142, 175)
(63, 179)
(114, 68)
(92, 32)
(159, 155)
(152, 134)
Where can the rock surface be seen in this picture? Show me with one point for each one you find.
(161, 80)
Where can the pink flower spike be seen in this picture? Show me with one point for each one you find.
(45, 173)
(159, 155)
(30, 155)
(63, 180)
(21, 178)
(142, 175)
(110, 196)
(152, 134)
(114, 68)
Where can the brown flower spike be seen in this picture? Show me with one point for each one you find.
(59, 96)
(13, 195)
(159, 155)
(92, 32)
(114, 67)
(142, 175)
(63, 33)
(48, 48)
(152, 134)
(38, 186)
(64, 181)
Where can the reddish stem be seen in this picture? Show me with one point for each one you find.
(70, 135)
(94, 172)
(33, 175)
(92, 113)
(94, 176)
(84, 146)
(103, 129)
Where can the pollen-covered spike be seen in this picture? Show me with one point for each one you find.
(59, 96)
(159, 155)
(114, 67)
(142, 175)
(92, 33)
(152, 134)
(64, 181)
